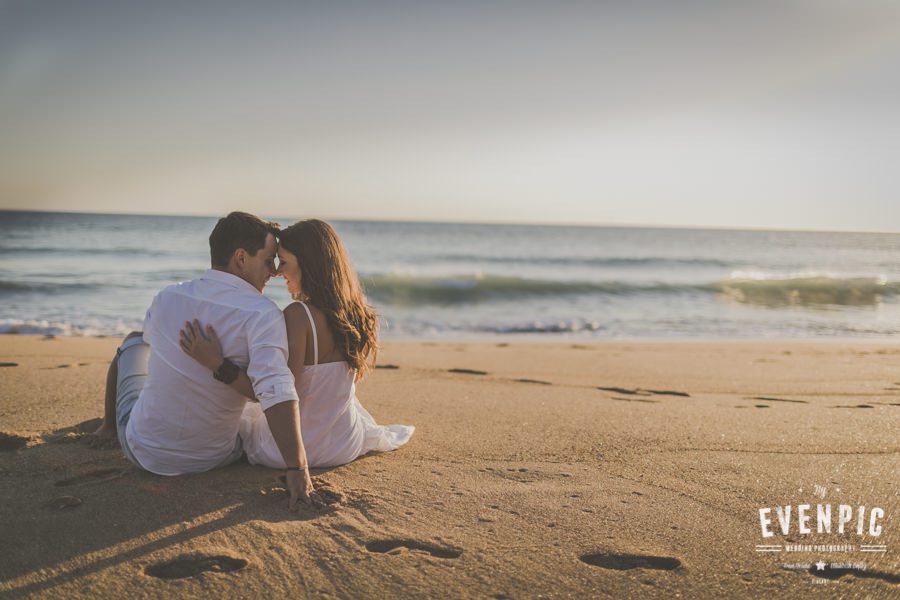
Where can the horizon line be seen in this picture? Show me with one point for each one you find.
(594, 224)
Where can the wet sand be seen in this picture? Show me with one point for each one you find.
(537, 470)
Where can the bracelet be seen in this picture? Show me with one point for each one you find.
(303, 468)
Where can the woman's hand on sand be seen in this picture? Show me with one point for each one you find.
(202, 346)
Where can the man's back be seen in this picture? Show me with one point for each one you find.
(185, 421)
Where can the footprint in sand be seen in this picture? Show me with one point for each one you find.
(761, 405)
(467, 371)
(8, 364)
(771, 399)
(853, 406)
(68, 366)
(668, 393)
(386, 367)
(535, 381)
(625, 562)
(643, 392)
(97, 476)
(620, 390)
(390, 545)
(11, 441)
(62, 502)
(191, 565)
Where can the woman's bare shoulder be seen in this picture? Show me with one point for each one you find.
(321, 321)
(295, 317)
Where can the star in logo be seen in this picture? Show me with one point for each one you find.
(820, 566)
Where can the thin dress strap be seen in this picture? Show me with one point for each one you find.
(315, 336)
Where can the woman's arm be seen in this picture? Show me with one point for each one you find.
(206, 349)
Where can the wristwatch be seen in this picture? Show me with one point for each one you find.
(227, 372)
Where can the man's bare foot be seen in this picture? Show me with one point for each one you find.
(104, 437)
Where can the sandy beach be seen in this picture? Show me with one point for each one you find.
(626, 469)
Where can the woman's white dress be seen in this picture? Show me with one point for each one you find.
(336, 429)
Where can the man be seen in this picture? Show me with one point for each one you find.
(171, 417)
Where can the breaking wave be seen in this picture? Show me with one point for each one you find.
(768, 291)
(90, 327)
(411, 290)
(46, 287)
(809, 290)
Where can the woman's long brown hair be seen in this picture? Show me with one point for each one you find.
(330, 283)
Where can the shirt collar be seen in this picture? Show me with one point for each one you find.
(228, 279)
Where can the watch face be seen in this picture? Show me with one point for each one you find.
(227, 372)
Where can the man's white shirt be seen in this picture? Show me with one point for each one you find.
(184, 420)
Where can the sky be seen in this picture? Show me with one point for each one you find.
(771, 114)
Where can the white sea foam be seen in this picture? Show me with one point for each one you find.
(42, 327)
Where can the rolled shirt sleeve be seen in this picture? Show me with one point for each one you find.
(272, 380)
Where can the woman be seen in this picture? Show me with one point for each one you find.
(332, 338)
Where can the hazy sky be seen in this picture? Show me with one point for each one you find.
(736, 113)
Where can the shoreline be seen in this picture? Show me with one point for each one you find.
(570, 469)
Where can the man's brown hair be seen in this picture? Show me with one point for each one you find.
(238, 230)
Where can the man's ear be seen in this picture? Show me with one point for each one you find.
(239, 257)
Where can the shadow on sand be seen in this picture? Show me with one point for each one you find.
(70, 511)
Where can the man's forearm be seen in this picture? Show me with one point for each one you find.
(284, 421)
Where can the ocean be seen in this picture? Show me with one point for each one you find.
(95, 274)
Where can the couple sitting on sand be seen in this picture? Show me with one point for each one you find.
(177, 393)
